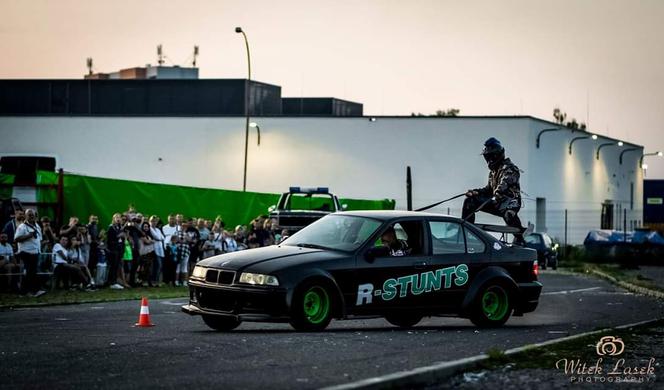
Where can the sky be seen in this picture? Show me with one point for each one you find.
(600, 61)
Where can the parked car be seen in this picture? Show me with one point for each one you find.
(547, 249)
(340, 267)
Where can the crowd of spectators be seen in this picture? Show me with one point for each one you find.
(133, 251)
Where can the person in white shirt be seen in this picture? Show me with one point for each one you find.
(8, 264)
(171, 229)
(231, 244)
(64, 271)
(28, 236)
(159, 244)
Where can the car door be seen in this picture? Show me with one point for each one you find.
(385, 283)
(447, 279)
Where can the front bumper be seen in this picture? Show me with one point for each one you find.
(246, 303)
(528, 297)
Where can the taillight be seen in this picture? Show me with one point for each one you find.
(535, 269)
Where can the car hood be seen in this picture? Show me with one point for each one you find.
(289, 255)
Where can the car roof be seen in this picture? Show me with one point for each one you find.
(393, 214)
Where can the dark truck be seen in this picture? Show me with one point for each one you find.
(300, 207)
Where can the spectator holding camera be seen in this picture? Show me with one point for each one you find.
(28, 237)
(49, 238)
(71, 229)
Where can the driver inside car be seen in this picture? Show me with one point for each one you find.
(397, 247)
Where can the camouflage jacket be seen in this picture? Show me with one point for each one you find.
(504, 184)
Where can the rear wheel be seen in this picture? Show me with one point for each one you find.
(404, 320)
(492, 307)
(221, 324)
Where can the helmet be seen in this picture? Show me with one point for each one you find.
(493, 152)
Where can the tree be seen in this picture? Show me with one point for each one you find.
(448, 112)
(559, 115)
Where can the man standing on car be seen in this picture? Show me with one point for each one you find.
(503, 191)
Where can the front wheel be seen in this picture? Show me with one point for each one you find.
(311, 309)
(221, 324)
(404, 320)
(493, 306)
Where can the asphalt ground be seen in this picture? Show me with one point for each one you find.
(96, 346)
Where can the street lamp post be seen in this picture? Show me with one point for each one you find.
(246, 108)
(619, 143)
(625, 151)
(537, 143)
(660, 154)
(569, 148)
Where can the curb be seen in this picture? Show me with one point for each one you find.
(629, 286)
(428, 374)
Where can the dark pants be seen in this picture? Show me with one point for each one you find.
(113, 262)
(135, 256)
(508, 214)
(30, 281)
(168, 268)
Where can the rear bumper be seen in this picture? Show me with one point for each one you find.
(244, 303)
(528, 297)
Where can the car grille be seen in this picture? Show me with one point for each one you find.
(219, 276)
(220, 300)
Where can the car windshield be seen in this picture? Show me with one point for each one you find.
(337, 232)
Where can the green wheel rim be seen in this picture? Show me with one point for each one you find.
(495, 303)
(316, 305)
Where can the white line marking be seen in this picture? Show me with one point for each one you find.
(171, 303)
(444, 369)
(570, 291)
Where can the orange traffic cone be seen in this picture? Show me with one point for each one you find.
(144, 317)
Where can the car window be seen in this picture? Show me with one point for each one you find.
(474, 243)
(320, 202)
(547, 240)
(409, 236)
(533, 239)
(447, 237)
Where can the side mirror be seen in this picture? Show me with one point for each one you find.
(376, 251)
(344, 207)
(271, 208)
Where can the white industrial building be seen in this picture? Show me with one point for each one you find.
(356, 156)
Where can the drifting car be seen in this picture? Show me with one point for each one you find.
(338, 268)
(301, 206)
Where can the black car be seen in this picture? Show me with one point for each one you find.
(547, 249)
(338, 267)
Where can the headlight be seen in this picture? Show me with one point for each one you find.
(259, 279)
(199, 272)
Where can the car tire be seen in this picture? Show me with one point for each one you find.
(492, 306)
(311, 308)
(404, 320)
(221, 324)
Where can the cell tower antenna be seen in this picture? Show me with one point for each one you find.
(160, 55)
(195, 55)
(88, 63)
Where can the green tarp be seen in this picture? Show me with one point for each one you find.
(85, 195)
